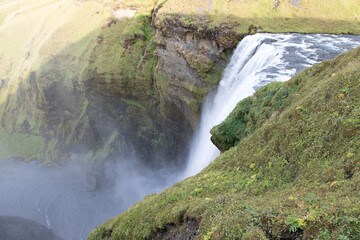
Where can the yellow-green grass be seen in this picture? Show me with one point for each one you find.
(322, 16)
(142, 6)
(297, 174)
(31, 145)
(33, 31)
(124, 61)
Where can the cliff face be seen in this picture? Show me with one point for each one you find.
(295, 175)
(125, 88)
(190, 61)
(96, 79)
(87, 102)
(42, 109)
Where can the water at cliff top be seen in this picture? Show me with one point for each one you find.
(258, 60)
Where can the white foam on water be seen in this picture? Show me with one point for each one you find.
(258, 60)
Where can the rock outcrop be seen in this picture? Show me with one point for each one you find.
(190, 62)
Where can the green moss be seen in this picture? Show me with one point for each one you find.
(107, 149)
(17, 145)
(250, 114)
(201, 65)
(297, 173)
(134, 103)
(112, 66)
(213, 77)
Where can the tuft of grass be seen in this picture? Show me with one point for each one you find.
(251, 113)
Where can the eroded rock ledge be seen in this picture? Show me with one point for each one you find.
(190, 61)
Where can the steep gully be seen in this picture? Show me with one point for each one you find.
(65, 200)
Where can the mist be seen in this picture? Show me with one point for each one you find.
(71, 200)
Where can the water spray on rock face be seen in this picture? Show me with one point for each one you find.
(70, 202)
(259, 59)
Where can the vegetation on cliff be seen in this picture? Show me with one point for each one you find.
(31, 34)
(294, 171)
(93, 79)
(88, 98)
(250, 114)
(92, 94)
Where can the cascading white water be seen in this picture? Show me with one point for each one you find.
(60, 198)
(258, 60)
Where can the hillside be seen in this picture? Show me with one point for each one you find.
(78, 83)
(95, 80)
(108, 80)
(289, 168)
(243, 17)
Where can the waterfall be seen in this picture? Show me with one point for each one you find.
(258, 60)
(63, 200)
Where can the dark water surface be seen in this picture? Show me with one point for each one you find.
(17, 228)
(61, 199)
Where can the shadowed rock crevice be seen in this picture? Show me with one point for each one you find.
(187, 230)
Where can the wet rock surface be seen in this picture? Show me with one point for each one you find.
(188, 230)
(186, 58)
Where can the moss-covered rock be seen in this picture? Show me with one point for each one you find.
(105, 91)
(250, 114)
(296, 176)
(109, 78)
(94, 100)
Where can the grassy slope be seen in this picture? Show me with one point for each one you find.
(120, 101)
(299, 170)
(250, 114)
(31, 32)
(69, 51)
(330, 16)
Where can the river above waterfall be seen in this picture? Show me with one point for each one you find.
(63, 200)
